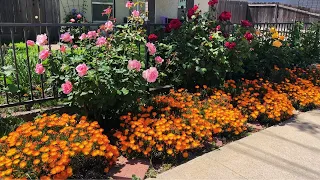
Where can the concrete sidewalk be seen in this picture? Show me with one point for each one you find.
(287, 151)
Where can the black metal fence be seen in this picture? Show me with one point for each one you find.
(30, 88)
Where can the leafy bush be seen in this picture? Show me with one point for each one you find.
(44, 148)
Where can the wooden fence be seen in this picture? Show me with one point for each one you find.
(28, 11)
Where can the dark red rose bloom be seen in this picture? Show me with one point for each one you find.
(175, 24)
(192, 11)
(225, 16)
(226, 35)
(246, 23)
(248, 36)
(153, 37)
(230, 45)
(212, 2)
(167, 29)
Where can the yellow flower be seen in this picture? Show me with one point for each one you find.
(277, 43)
(11, 152)
(258, 32)
(281, 38)
(275, 35)
(273, 30)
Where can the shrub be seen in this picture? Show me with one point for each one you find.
(104, 73)
(45, 147)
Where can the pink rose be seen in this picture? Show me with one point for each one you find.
(75, 46)
(129, 4)
(135, 13)
(79, 16)
(42, 39)
(92, 34)
(63, 49)
(67, 87)
(44, 54)
(30, 43)
(40, 69)
(159, 60)
(151, 48)
(101, 41)
(150, 74)
(72, 20)
(107, 11)
(134, 64)
(83, 36)
(66, 37)
(82, 69)
(108, 26)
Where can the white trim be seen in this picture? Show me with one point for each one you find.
(261, 5)
(102, 3)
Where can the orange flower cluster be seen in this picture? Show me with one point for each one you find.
(302, 93)
(44, 148)
(260, 102)
(180, 123)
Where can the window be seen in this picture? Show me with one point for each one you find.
(97, 8)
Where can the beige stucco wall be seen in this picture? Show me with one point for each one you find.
(168, 8)
(203, 5)
(121, 10)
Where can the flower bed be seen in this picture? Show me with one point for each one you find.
(44, 148)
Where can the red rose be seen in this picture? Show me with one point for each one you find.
(153, 37)
(175, 24)
(248, 36)
(212, 2)
(245, 23)
(190, 13)
(167, 29)
(230, 45)
(225, 16)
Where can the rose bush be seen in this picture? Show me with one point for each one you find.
(103, 72)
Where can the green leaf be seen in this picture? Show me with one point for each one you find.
(125, 91)
(8, 70)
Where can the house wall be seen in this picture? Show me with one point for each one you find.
(167, 8)
(203, 5)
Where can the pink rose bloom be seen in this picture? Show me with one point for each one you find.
(107, 11)
(92, 34)
(129, 4)
(63, 49)
(72, 20)
(135, 13)
(75, 46)
(67, 87)
(66, 37)
(82, 69)
(134, 64)
(151, 48)
(40, 69)
(79, 16)
(159, 60)
(150, 74)
(83, 36)
(44, 54)
(42, 39)
(109, 26)
(101, 41)
(30, 43)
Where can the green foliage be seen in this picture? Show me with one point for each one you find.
(11, 71)
(9, 124)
